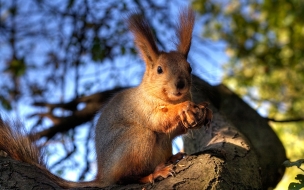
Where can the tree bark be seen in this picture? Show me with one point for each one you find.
(231, 112)
(238, 151)
(205, 170)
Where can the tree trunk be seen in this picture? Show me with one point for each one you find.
(238, 151)
(232, 116)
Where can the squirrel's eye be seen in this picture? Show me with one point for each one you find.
(190, 69)
(159, 70)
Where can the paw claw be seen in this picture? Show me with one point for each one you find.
(173, 174)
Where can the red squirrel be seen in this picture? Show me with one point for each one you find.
(134, 133)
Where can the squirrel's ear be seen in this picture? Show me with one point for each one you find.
(143, 38)
(184, 31)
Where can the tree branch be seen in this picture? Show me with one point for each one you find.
(226, 163)
(93, 104)
(285, 120)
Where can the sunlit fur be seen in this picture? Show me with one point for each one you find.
(139, 132)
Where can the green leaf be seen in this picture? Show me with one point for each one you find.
(17, 67)
(5, 103)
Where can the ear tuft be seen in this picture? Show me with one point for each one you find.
(184, 31)
(143, 37)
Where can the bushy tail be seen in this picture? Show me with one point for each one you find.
(19, 147)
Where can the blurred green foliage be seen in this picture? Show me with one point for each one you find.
(265, 45)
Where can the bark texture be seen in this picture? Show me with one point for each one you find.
(200, 171)
(238, 151)
(234, 118)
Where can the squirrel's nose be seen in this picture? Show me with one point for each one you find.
(180, 84)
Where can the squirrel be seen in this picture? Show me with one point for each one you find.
(134, 133)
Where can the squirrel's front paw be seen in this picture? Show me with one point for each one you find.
(193, 115)
(190, 114)
(206, 117)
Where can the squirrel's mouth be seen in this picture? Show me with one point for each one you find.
(177, 95)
